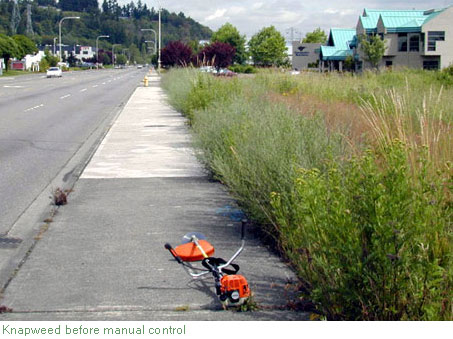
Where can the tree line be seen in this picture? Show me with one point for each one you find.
(227, 46)
(121, 23)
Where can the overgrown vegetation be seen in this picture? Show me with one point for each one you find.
(351, 175)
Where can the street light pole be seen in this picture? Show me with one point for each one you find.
(59, 31)
(54, 44)
(155, 37)
(150, 30)
(160, 36)
(154, 50)
(97, 48)
(113, 55)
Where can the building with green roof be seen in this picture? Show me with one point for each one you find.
(414, 38)
(338, 48)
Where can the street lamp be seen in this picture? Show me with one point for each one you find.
(59, 31)
(113, 55)
(155, 39)
(128, 54)
(152, 30)
(97, 48)
(160, 35)
(154, 51)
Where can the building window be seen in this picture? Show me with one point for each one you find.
(402, 42)
(414, 43)
(431, 65)
(389, 63)
(433, 37)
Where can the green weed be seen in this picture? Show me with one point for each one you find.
(370, 236)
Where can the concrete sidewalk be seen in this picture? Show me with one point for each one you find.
(102, 257)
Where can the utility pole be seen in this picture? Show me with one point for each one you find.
(29, 22)
(15, 18)
(292, 31)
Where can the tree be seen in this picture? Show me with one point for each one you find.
(374, 48)
(52, 60)
(230, 35)
(349, 63)
(268, 47)
(121, 59)
(8, 49)
(218, 54)
(176, 53)
(317, 36)
(25, 45)
(79, 5)
(136, 57)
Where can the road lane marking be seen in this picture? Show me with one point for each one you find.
(11, 86)
(103, 83)
(95, 86)
(65, 96)
(83, 90)
(32, 108)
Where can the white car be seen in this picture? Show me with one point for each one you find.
(54, 72)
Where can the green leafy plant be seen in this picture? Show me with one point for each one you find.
(370, 240)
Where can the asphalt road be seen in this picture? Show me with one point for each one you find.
(43, 122)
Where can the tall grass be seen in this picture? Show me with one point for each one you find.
(366, 222)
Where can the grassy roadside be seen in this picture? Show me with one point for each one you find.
(352, 176)
(11, 73)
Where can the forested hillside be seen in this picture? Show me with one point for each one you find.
(121, 23)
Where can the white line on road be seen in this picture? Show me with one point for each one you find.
(95, 86)
(65, 96)
(83, 90)
(103, 83)
(32, 108)
(9, 86)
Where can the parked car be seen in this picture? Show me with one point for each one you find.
(54, 72)
(207, 69)
(224, 72)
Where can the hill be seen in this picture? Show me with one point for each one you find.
(121, 23)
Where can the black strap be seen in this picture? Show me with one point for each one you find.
(212, 263)
(231, 272)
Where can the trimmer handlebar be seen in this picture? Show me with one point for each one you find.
(243, 229)
(173, 253)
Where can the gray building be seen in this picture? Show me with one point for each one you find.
(305, 55)
(414, 38)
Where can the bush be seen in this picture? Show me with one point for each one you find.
(370, 241)
(43, 65)
(246, 69)
(370, 237)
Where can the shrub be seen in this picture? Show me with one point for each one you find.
(370, 237)
(43, 65)
(246, 69)
(370, 240)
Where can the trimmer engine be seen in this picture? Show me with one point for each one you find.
(234, 290)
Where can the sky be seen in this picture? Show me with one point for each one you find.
(250, 16)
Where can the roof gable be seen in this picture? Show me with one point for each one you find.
(396, 20)
(339, 44)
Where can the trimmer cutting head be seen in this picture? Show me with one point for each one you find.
(190, 236)
(190, 252)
